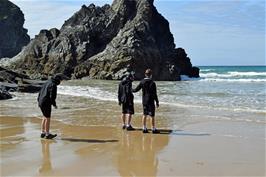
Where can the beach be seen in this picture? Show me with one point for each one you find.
(209, 127)
(110, 151)
(204, 148)
(199, 64)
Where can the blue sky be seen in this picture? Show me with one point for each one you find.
(213, 32)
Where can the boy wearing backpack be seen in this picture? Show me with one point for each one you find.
(125, 98)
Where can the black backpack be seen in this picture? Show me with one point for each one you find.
(126, 96)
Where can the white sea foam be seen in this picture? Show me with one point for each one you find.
(186, 78)
(235, 76)
(87, 91)
(232, 80)
(247, 73)
(100, 94)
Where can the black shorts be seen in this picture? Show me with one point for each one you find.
(127, 108)
(46, 110)
(149, 110)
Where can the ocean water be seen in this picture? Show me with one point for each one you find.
(224, 93)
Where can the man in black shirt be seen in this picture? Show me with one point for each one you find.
(46, 99)
(149, 96)
(125, 98)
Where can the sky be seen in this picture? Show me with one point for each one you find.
(213, 32)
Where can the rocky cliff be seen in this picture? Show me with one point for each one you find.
(99, 42)
(12, 34)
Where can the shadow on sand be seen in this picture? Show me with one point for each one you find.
(88, 140)
(176, 132)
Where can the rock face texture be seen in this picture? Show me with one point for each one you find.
(12, 34)
(99, 42)
(13, 81)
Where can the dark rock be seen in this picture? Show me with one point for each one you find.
(8, 86)
(183, 64)
(29, 88)
(10, 76)
(12, 34)
(99, 42)
(194, 72)
(4, 94)
(10, 80)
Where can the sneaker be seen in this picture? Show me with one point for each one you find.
(130, 128)
(50, 136)
(145, 130)
(42, 135)
(124, 127)
(155, 131)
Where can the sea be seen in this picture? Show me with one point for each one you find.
(222, 93)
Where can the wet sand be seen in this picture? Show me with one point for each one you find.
(111, 151)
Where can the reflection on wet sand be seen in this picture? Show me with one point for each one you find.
(46, 165)
(138, 153)
(11, 131)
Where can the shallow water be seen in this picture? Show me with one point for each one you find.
(217, 128)
(181, 103)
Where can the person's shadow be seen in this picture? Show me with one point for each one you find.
(46, 166)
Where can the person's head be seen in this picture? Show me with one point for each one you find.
(57, 78)
(129, 77)
(148, 73)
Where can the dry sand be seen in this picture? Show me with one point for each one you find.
(111, 151)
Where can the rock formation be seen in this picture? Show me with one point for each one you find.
(4, 95)
(13, 81)
(99, 42)
(12, 34)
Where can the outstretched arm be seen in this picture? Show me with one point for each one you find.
(137, 88)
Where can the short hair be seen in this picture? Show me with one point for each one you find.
(148, 72)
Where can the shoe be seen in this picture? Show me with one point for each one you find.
(130, 128)
(155, 131)
(50, 136)
(124, 127)
(145, 130)
(42, 135)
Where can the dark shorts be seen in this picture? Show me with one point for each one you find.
(46, 110)
(127, 108)
(149, 110)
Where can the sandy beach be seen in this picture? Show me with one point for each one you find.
(196, 150)
(202, 62)
(194, 140)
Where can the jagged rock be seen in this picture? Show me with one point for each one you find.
(10, 76)
(99, 42)
(13, 81)
(4, 95)
(12, 34)
(183, 62)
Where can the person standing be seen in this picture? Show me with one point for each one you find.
(126, 99)
(149, 97)
(46, 99)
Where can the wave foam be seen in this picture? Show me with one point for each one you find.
(235, 76)
(247, 73)
(87, 91)
(100, 94)
(232, 80)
